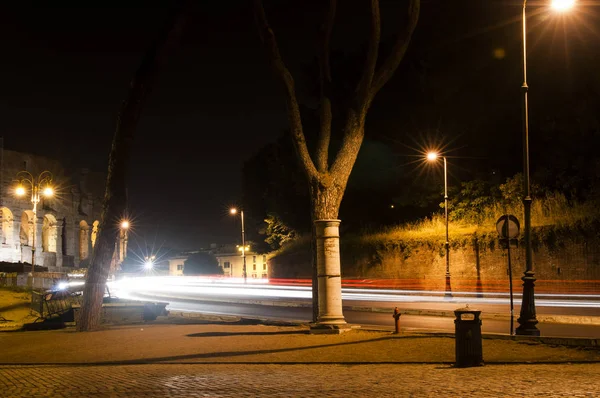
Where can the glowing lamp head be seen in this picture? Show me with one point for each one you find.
(124, 224)
(149, 264)
(48, 192)
(20, 190)
(233, 210)
(431, 156)
(562, 5)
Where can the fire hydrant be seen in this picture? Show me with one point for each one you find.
(397, 316)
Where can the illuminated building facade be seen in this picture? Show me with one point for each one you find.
(66, 224)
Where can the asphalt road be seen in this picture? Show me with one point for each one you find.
(408, 322)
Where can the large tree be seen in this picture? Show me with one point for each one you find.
(202, 263)
(115, 198)
(328, 176)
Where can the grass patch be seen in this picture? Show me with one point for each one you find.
(554, 219)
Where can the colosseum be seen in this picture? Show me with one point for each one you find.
(63, 230)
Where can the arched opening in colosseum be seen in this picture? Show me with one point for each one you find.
(49, 234)
(26, 232)
(95, 232)
(7, 226)
(84, 249)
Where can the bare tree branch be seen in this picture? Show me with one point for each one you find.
(325, 81)
(363, 89)
(354, 133)
(390, 65)
(293, 110)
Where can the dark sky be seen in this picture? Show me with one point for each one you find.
(65, 71)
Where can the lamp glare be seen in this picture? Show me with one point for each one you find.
(562, 5)
(431, 156)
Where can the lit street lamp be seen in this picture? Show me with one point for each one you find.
(149, 262)
(42, 185)
(527, 318)
(432, 157)
(234, 211)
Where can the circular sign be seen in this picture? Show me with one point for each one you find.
(508, 227)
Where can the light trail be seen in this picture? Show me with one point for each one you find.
(196, 288)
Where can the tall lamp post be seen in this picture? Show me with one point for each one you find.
(527, 318)
(432, 157)
(235, 211)
(42, 185)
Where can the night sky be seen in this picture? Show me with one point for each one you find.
(65, 71)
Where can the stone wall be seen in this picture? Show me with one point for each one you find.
(575, 259)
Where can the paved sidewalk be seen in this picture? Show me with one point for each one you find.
(220, 359)
(222, 380)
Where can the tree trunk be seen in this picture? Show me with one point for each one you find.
(115, 198)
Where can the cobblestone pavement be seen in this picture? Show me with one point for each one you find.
(238, 380)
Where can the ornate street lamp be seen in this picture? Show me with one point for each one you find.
(40, 186)
(527, 319)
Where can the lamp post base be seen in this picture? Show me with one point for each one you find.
(527, 318)
(448, 290)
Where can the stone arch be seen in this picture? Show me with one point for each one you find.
(84, 240)
(7, 226)
(26, 232)
(95, 226)
(49, 234)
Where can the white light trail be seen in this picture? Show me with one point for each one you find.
(196, 288)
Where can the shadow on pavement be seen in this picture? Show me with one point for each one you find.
(220, 334)
(209, 355)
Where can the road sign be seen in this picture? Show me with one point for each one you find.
(508, 227)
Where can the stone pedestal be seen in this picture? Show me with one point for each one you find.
(331, 318)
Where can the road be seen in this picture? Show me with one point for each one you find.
(293, 303)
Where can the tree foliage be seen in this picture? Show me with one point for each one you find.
(202, 263)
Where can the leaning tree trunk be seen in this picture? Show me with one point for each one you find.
(115, 198)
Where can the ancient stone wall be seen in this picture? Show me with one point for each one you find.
(575, 259)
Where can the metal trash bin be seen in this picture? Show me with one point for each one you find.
(467, 335)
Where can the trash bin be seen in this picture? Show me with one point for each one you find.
(468, 337)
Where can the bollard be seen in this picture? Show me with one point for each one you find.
(397, 316)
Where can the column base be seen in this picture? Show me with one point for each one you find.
(325, 328)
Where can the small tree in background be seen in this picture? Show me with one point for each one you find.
(202, 263)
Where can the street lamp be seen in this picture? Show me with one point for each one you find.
(149, 262)
(562, 5)
(432, 157)
(40, 185)
(121, 245)
(234, 211)
(527, 318)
